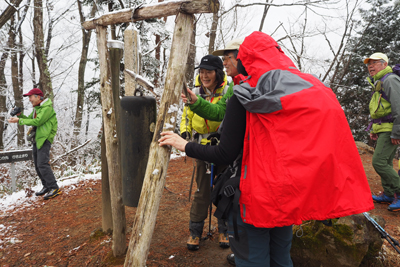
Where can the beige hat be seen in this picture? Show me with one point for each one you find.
(232, 45)
(377, 56)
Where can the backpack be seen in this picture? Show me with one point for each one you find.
(388, 118)
(225, 196)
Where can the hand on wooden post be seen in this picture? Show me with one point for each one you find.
(172, 139)
(192, 95)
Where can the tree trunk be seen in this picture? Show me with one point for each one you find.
(44, 80)
(213, 33)
(15, 79)
(3, 98)
(156, 170)
(108, 112)
(86, 35)
(9, 12)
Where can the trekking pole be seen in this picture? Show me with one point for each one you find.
(393, 242)
(209, 234)
(191, 182)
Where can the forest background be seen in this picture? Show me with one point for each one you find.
(42, 44)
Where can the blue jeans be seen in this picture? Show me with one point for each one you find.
(269, 247)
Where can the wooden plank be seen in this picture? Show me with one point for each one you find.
(114, 172)
(156, 171)
(159, 10)
(131, 57)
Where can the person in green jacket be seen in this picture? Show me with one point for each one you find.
(216, 112)
(44, 122)
(384, 109)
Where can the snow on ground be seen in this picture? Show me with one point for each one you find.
(20, 200)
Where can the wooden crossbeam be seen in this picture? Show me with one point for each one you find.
(159, 10)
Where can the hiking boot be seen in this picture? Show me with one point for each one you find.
(42, 192)
(193, 242)
(52, 193)
(223, 240)
(231, 259)
(395, 206)
(382, 198)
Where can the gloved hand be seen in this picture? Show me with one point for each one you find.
(214, 139)
(185, 135)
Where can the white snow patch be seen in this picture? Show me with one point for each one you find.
(115, 44)
(155, 172)
(171, 257)
(168, 126)
(109, 112)
(179, 154)
(172, 120)
(20, 200)
(173, 108)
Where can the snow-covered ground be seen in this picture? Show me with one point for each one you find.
(20, 200)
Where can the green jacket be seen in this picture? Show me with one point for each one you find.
(45, 122)
(380, 107)
(209, 111)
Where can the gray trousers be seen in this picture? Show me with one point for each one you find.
(260, 247)
(382, 161)
(41, 158)
(202, 197)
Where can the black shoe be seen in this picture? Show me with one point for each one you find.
(231, 259)
(42, 192)
(52, 193)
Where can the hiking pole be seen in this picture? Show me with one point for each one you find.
(209, 234)
(393, 242)
(191, 182)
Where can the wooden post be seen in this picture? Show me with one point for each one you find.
(106, 220)
(157, 165)
(131, 57)
(114, 173)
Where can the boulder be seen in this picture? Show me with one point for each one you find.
(351, 241)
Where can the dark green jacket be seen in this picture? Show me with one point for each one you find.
(45, 122)
(209, 111)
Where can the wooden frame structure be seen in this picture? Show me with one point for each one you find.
(156, 171)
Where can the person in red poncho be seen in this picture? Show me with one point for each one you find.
(287, 138)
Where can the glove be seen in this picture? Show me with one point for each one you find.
(214, 139)
(185, 135)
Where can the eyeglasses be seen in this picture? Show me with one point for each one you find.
(226, 58)
(373, 62)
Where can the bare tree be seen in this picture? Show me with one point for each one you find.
(266, 9)
(86, 35)
(41, 57)
(9, 12)
(213, 33)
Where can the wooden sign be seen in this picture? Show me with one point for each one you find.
(14, 156)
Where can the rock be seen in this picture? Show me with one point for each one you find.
(364, 148)
(351, 241)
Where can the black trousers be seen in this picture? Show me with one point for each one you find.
(41, 158)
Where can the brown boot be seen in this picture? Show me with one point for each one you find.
(193, 242)
(223, 240)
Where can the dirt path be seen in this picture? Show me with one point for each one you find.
(62, 231)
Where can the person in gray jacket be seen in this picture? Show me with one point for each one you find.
(384, 109)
